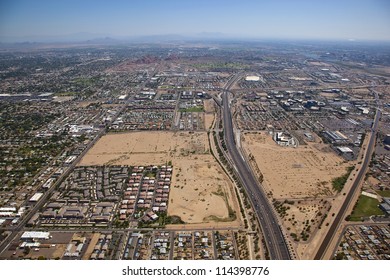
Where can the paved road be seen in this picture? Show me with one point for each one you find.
(48, 193)
(21, 224)
(355, 186)
(273, 235)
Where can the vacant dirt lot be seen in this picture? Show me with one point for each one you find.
(145, 148)
(209, 118)
(306, 171)
(199, 185)
(329, 94)
(209, 108)
(301, 218)
(200, 191)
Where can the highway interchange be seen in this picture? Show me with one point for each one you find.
(271, 230)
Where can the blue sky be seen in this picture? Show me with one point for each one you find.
(297, 19)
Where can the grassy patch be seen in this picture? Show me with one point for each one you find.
(151, 174)
(384, 193)
(164, 219)
(365, 207)
(339, 182)
(193, 109)
(173, 220)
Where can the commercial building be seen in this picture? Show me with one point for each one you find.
(284, 139)
(335, 136)
(35, 235)
(36, 197)
(344, 150)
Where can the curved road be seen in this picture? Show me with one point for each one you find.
(273, 235)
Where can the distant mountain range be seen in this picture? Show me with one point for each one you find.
(84, 37)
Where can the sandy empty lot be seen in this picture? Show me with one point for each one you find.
(300, 172)
(199, 185)
(329, 94)
(145, 148)
(209, 118)
(302, 217)
(209, 108)
(200, 191)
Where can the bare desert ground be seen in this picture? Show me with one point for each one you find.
(301, 218)
(209, 118)
(209, 108)
(329, 94)
(305, 171)
(200, 191)
(145, 148)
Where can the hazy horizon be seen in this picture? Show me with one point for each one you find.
(44, 20)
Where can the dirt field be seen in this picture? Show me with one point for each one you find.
(209, 105)
(198, 186)
(209, 108)
(300, 172)
(329, 94)
(208, 119)
(145, 148)
(301, 218)
(198, 183)
(91, 246)
(318, 63)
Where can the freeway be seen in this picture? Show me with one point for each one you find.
(355, 186)
(272, 232)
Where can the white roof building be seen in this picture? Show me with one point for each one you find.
(7, 214)
(252, 78)
(8, 209)
(344, 149)
(35, 235)
(36, 197)
(364, 111)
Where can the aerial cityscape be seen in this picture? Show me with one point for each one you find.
(193, 147)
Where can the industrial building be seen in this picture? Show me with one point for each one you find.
(345, 150)
(335, 137)
(35, 235)
(36, 197)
